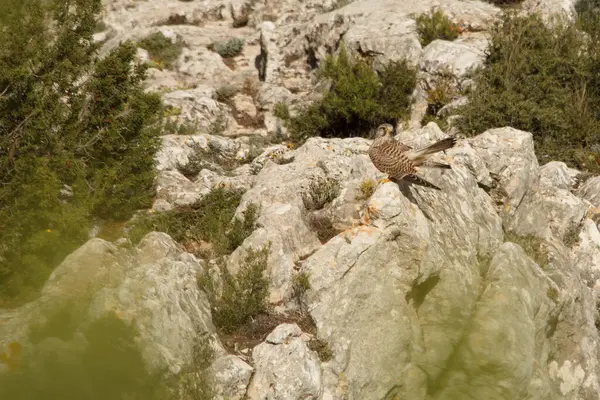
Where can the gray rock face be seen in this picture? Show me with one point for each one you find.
(231, 376)
(590, 191)
(457, 59)
(279, 191)
(382, 273)
(177, 151)
(285, 367)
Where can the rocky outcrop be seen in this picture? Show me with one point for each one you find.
(431, 268)
(152, 286)
(285, 367)
(486, 289)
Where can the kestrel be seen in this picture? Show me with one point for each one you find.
(400, 161)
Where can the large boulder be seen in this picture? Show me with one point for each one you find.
(152, 286)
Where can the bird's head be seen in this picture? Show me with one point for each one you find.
(383, 130)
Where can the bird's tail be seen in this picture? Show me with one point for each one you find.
(436, 164)
(415, 179)
(441, 145)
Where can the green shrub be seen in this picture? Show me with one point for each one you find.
(209, 220)
(70, 148)
(281, 111)
(542, 80)
(244, 295)
(367, 188)
(173, 127)
(230, 48)
(226, 92)
(322, 349)
(322, 226)
(320, 192)
(357, 100)
(300, 284)
(439, 96)
(161, 49)
(435, 25)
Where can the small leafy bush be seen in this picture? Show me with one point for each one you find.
(320, 192)
(244, 295)
(367, 188)
(173, 127)
(322, 349)
(300, 284)
(281, 111)
(230, 48)
(226, 92)
(435, 25)
(209, 220)
(161, 49)
(543, 80)
(358, 99)
(437, 97)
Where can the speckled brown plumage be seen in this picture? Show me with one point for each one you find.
(400, 161)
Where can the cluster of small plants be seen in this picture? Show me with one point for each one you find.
(230, 48)
(541, 79)
(162, 50)
(442, 92)
(533, 246)
(435, 25)
(244, 295)
(358, 98)
(366, 188)
(210, 220)
(320, 192)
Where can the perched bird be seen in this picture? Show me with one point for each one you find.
(400, 161)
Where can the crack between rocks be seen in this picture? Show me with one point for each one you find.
(353, 264)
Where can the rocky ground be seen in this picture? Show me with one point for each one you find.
(486, 289)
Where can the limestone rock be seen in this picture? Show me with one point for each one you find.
(442, 56)
(285, 367)
(100, 278)
(590, 191)
(231, 376)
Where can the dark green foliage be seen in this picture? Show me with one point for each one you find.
(542, 80)
(300, 284)
(357, 100)
(161, 49)
(242, 228)
(106, 365)
(77, 136)
(435, 25)
(173, 127)
(209, 220)
(282, 111)
(244, 295)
